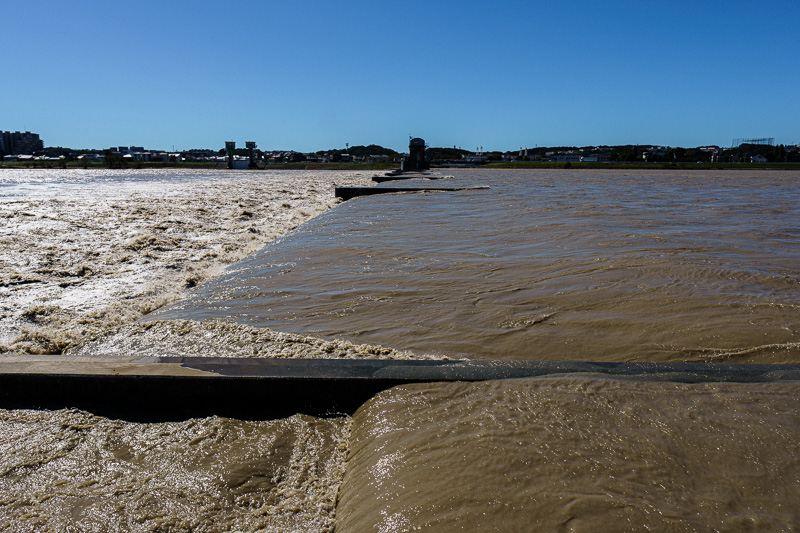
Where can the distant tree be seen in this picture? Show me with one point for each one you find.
(360, 151)
(372, 149)
(446, 154)
(778, 155)
(55, 151)
(629, 153)
(114, 160)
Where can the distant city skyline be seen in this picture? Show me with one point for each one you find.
(312, 76)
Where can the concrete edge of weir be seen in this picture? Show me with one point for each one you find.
(348, 193)
(148, 389)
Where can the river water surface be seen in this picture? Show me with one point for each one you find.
(589, 265)
(550, 265)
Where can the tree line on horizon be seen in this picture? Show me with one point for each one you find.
(742, 153)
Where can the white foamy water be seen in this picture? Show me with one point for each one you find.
(188, 338)
(83, 255)
(85, 250)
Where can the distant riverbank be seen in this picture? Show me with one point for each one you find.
(636, 165)
(148, 165)
(630, 165)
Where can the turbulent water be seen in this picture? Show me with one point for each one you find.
(542, 265)
(651, 266)
(84, 250)
(83, 255)
(575, 455)
(72, 471)
(187, 338)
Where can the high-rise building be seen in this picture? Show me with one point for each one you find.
(20, 143)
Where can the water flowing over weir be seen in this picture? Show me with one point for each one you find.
(590, 266)
(574, 454)
(570, 266)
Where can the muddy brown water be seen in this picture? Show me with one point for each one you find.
(575, 455)
(660, 266)
(589, 265)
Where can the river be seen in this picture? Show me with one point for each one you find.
(664, 265)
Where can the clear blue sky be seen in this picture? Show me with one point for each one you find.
(311, 75)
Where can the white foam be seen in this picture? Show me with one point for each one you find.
(85, 250)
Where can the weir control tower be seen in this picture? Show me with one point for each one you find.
(416, 155)
(230, 146)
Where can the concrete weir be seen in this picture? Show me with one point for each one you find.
(178, 388)
(346, 193)
(400, 177)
